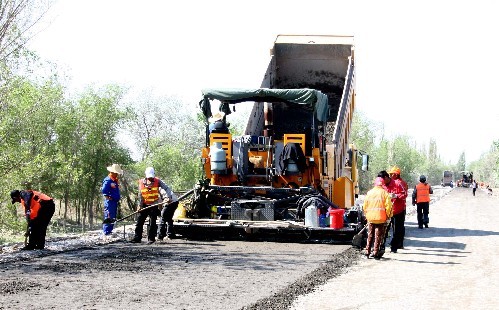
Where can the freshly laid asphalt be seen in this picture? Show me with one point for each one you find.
(454, 264)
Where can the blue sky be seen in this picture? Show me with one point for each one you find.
(424, 68)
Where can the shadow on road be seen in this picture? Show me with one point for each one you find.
(446, 232)
(435, 244)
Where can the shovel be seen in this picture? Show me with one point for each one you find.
(357, 239)
(114, 221)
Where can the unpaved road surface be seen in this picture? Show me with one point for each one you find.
(452, 263)
(178, 274)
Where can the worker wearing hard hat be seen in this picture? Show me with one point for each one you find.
(152, 190)
(399, 209)
(421, 197)
(111, 193)
(377, 208)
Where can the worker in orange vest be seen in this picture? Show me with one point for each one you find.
(38, 209)
(421, 197)
(153, 190)
(377, 210)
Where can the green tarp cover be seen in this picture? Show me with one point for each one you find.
(310, 97)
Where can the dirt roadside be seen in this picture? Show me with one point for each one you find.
(453, 264)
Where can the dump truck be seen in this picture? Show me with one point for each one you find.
(447, 178)
(293, 174)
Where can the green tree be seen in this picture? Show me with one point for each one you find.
(100, 121)
(461, 163)
(17, 21)
(27, 135)
(363, 136)
(406, 157)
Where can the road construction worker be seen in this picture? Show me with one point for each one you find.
(421, 197)
(218, 123)
(377, 209)
(152, 191)
(166, 220)
(38, 209)
(474, 186)
(399, 209)
(111, 193)
(391, 187)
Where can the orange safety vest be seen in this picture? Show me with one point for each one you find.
(149, 192)
(377, 205)
(35, 203)
(422, 192)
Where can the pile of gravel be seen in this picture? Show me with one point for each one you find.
(326, 271)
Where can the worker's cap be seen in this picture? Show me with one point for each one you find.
(379, 181)
(216, 117)
(150, 172)
(395, 170)
(14, 195)
(115, 168)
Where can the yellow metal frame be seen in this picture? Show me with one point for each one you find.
(295, 138)
(343, 193)
(226, 140)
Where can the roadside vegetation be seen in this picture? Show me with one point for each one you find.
(61, 144)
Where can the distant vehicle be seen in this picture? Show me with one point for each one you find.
(448, 177)
(466, 180)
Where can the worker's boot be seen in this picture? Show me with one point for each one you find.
(169, 231)
(161, 231)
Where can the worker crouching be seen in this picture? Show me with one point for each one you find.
(38, 209)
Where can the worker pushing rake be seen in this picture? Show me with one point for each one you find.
(155, 199)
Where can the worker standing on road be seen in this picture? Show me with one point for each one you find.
(399, 208)
(166, 220)
(378, 210)
(474, 186)
(152, 191)
(421, 197)
(39, 209)
(390, 186)
(111, 193)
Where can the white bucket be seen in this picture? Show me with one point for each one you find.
(311, 218)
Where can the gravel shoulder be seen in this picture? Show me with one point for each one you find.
(453, 264)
